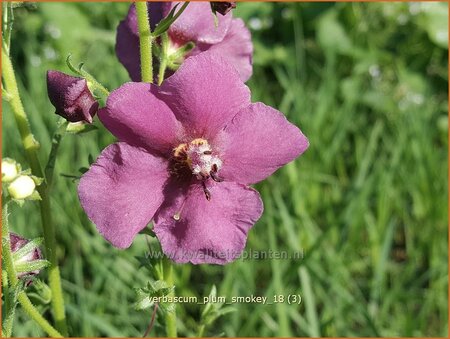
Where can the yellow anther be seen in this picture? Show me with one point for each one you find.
(179, 150)
(198, 142)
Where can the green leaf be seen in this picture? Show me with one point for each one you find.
(12, 296)
(145, 295)
(165, 23)
(209, 306)
(70, 176)
(34, 196)
(212, 310)
(35, 265)
(83, 170)
(40, 292)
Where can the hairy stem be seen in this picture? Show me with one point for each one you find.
(171, 318)
(145, 41)
(30, 145)
(34, 314)
(8, 269)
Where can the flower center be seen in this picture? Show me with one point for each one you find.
(199, 157)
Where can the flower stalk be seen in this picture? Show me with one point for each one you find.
(145, 41)
(145, 44)
(171, 318)
(31, 146)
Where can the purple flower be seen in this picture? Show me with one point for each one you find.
(17, 242)
(186, 154)
(231, 39)
(71, 97)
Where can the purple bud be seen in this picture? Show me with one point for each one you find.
(222, 7)
(17, 242)
(71, 97)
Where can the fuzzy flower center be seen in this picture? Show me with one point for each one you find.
(198, 156)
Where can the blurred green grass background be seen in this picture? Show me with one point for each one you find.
(367, 203)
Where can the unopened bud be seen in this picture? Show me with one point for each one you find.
(222, 7)
(71, 97)
(22, 187)
(26, 254)
(10, 169)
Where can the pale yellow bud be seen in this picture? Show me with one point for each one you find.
(9, 170)
(22, 187)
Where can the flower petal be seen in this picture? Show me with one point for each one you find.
(122, 191)
(257, 142)
(127, 49)
(135, 115)
(236, 48)
(127, 39)
(197, 24)
(205, 93)
(193, 229)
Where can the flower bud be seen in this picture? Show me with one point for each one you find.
(22, 187)
(222, 7)
(24, 256)
(71, 97)
(10, 169)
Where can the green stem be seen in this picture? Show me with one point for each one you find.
(93, 84)
(56, 141)
(171, 318)
(145, 41)
(31, 145)
(8, 269)
(34, 314)
(201, 331)
(12, 275)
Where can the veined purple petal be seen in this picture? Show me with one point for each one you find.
(205, 93)
(136, 116)
(193, 229)
(122, 191)
(236, 48)
(257, 142)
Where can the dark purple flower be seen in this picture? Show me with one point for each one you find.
(230, 38)
(17, 242)
(222, 7)
(186, 154)
(71, 97)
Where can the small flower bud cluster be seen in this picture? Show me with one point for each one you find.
(21, 185)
